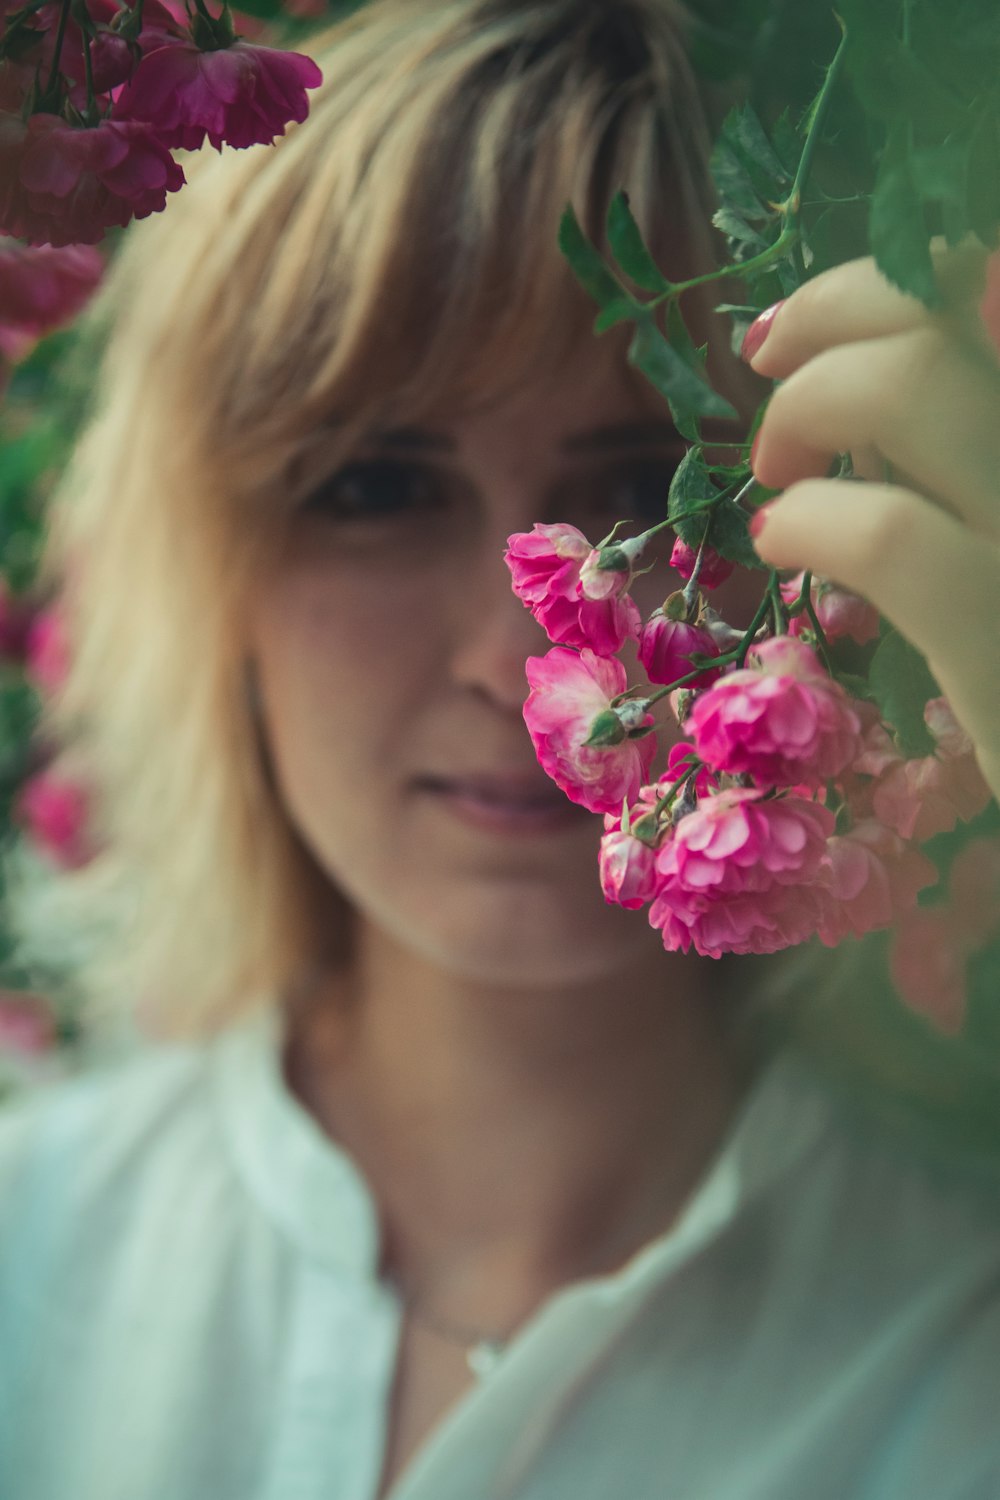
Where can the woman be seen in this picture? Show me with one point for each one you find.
(445, 1181)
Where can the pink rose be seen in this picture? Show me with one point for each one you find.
(42, 287)
(47, 650)
(546, 566)
(243, 94)
(927, 795)
(569, 690)
(53, 811)
(627, 869)
(874, 876)
(927, 966)
(714, 569)
(741, 873)
(782, 719)
(64, 184)
(27, 1024)
(839, 612)
(666, 647)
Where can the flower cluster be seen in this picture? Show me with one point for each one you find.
(788, 810)
(93, 102)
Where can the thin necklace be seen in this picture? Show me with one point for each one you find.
(483, 1351)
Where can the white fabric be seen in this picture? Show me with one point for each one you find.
(189, 1311)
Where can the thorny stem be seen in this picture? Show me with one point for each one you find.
(691, 587)
(791, 209)
(792, 206)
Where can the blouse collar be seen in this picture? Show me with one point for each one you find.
(316, 1195)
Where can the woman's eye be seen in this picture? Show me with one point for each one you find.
(374, 490)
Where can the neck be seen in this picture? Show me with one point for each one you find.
(516, 1139)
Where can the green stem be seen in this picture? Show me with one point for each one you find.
(60, 34)
(756, 263)
(793, 203)
(744, 647)
(777, 604)
(92, 115)
(667, 802)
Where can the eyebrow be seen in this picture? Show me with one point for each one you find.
(597, 439)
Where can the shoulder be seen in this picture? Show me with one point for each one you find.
(76, 1156)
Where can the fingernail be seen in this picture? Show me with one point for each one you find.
(989, 306)
(758, 518)
(758, 331)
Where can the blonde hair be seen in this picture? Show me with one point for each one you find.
(394, 251)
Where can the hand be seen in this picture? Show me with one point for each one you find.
(914, 396)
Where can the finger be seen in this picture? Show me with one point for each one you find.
(921, 568)
(915, 399)
(854, 301)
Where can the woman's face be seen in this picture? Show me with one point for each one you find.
(390, 651)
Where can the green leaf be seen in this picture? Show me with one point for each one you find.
(690, 487)
(586, 263)
(901, 683)
(621, 310)
(733, 183)
(687, 393)
(629, 249)
(898, 230)
(892, 82)
(737, 229)
(749, 143)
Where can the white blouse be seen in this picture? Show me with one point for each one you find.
(190, 1310)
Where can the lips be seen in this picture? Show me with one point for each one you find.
(514, 803)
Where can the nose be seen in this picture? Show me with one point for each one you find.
(494, 634)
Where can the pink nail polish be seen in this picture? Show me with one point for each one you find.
(758, 331)
(758, 518)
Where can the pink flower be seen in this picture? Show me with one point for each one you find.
(53, 811)
(927, 965)
(569, 690)
(782, 720)
(714, 569)
(546, 565)
(243, 94)
(874, 876)
(65, 185)
(740, 874)
(950, 739)
(47, 650)
(110, 57)
(628, 870)
(839, 613)
(927, 795)
(42, 287)
(27, 1024)
(666, 647)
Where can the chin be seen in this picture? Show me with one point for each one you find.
(535, 949)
